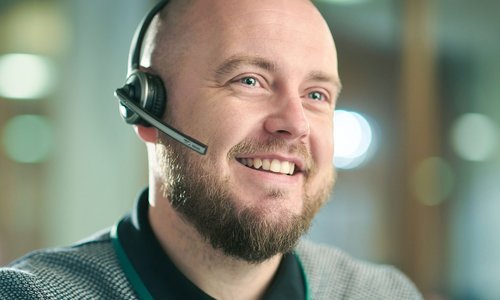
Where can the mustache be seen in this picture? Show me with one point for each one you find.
(273, 144)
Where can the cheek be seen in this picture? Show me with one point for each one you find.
(322, 145)
(324, 153)
(221, 127)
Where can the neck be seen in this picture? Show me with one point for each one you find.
(218, 275)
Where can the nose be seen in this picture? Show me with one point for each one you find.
(288, 120)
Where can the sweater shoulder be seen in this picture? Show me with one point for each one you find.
(90, 250)
(19, 284)
(333, 274)
(86, 270)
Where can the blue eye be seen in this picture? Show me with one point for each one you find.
(317, 96)
(249, 81)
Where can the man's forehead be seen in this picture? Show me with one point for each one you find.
(224, 10)
(201, 17)
(298, 24)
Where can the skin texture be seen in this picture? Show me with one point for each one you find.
(251, 79)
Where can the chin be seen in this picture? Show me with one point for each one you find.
(274, 202)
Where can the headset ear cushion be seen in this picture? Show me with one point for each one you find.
(147, 91)
(157, 98)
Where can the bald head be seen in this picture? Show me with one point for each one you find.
(249, 78)
(183, 26)
(166, 38)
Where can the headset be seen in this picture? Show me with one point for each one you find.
(143, 98)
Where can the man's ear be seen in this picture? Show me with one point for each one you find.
(146, 134)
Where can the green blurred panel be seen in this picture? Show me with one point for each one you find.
(28, 138)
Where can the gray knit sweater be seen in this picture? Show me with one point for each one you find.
(91, 270)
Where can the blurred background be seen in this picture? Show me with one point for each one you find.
(417, 133)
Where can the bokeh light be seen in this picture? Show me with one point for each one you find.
(26, 76)
(28, 138)
(433, 181)
(474, 137)
(40, 27)
(353, 137)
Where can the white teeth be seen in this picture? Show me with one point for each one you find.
(266, 164)
(285, 167)
(257, 163)
(276, 166)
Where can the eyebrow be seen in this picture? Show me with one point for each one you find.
(232, 63)
(320, 76)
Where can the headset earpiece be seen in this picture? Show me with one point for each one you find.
(143, 97)
(148, 92)
(144, 89)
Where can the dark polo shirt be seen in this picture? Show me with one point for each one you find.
(161, 278)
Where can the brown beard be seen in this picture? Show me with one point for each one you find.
(204, 199)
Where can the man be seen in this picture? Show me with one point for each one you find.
(257, 82)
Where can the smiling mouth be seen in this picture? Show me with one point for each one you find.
(270, 165)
